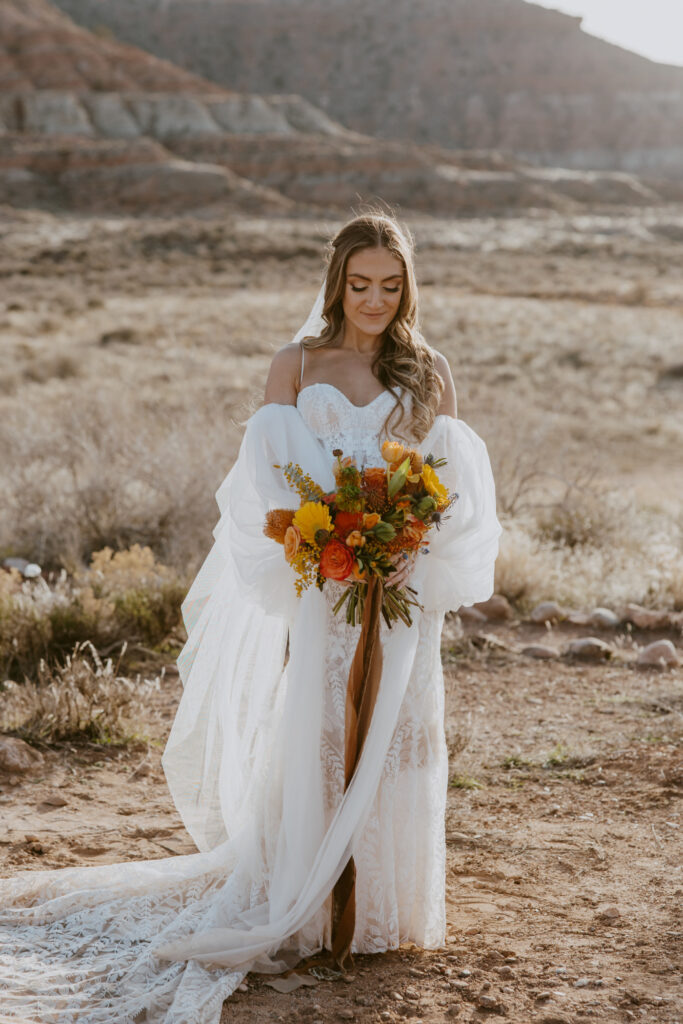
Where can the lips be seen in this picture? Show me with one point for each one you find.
(374, 316)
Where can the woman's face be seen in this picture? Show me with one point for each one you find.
(372, 293)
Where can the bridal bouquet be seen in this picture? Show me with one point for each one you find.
(377, 518)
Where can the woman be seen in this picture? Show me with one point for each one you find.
(296, 853)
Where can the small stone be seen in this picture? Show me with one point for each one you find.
(55, 800)
(397, 996)
(506, 972)
(471, 615)
(589, 648)
(547, 611)
(415, 972)
(346, 1014)
(242, 988)
(543, 997)
(411, 992)
(646, 618)
(497, 607)
(609, 915)
(464, 973)
(17, 757)
(604, 617)
(486, 1002)
(541, 651)
(385, 1015)
(582, 982)
(660, 654)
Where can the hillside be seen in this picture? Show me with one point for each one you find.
(460, 73)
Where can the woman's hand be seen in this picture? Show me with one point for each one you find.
(404, 567)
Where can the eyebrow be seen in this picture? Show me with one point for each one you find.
(390, 278)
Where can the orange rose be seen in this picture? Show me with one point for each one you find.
(392, 451)
(370, 519)
(292, 541)
(336, 560)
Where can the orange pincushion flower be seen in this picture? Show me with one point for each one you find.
(374, 484)
(277, 522)
(344, 522)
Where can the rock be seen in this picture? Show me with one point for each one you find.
(242, 988)
(497, 607)
(29, 570)
(17, 757)
(547, 611)
(471, 614)
(582, 982)
(540, 651)
(604, 617)
(609, 915)
(589, 648)
(646, 618)
(411, 992)
(660, 654)
(345, 1014)
(487, 1002)
(55, 799)
(543, 997)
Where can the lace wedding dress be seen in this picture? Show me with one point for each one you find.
(255, 761)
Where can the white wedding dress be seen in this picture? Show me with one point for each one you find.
(255, 761)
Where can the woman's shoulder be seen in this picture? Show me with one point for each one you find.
(448, 404)
(283, 375)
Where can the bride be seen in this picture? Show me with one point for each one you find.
(294, 856)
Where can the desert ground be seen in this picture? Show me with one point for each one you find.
(131, 352)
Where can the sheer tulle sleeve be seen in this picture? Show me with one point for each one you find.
(458, 570)
(237, 614)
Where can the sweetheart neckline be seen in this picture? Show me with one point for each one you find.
(324, 384)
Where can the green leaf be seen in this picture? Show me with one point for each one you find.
(399, 478)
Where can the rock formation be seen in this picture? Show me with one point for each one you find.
(495, 74)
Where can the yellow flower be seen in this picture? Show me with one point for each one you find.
(370, 519)
(312, 516)
(392, 451)
(432, 483)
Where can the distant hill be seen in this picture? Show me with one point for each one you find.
(499, 74)
(90, 123)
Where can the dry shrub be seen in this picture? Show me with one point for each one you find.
(84, 698)
(121, 596)
(109, 470)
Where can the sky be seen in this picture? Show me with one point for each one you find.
(653, 28)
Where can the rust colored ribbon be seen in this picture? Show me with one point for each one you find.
(361, 693)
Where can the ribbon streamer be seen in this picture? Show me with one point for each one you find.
(361, 693)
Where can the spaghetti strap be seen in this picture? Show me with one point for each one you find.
(301, 372)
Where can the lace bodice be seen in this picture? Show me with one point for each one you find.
(356, 429)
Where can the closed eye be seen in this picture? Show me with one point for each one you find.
(354, 289)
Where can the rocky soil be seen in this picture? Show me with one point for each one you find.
(563, 835)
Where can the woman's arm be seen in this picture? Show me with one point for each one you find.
(448, 405)
(283, 376)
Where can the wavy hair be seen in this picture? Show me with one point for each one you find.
(404, 359)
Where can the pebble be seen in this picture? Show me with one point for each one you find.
(385, 1015)
(55, 800)
(486, 1002)
(17, 756)
(411, 992)
(471, 615)
(547, 611)
(582, 982)
(609, 914)
(590, 648)
(659, 654)
(647, 618)
(497, 607)
(415, 972)
(542, 997)
(464, 973)
(346, 1014)
(242, 988)
(397, 996)
(604, 617)
(541, 651)
(506, 972)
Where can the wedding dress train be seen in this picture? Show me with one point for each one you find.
(255, 761)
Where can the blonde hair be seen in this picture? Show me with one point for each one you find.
(404, 359)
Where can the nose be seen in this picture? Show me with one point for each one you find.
(375, 299)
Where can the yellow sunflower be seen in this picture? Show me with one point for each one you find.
(432, 483)
(312, 516)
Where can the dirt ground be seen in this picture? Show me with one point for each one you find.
(563, 836)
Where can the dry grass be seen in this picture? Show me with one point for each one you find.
(83, 698)
(124, 596)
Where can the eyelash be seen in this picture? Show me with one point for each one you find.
(354, 289)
